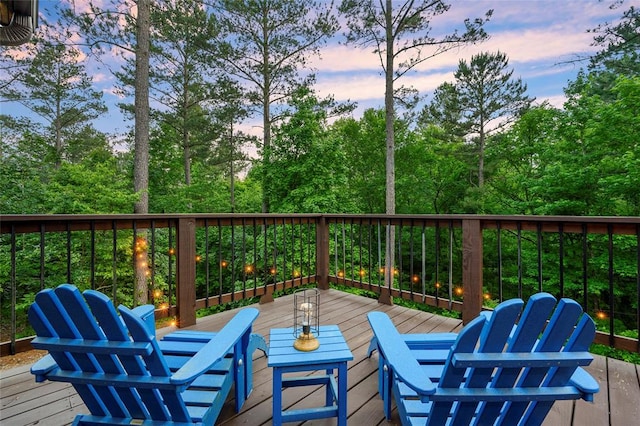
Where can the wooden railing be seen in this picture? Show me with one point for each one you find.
(458, 262)
(467, 263)
(187, 262)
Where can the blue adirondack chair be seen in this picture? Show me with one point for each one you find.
(124, 375)
(505, 368)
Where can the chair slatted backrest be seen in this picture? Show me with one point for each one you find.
(538, 329)
(125, 354)
(567, 332)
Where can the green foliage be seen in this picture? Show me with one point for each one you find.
(23, 191)
(308, 168)
(86, 189)
(211, 310)
(432, 174)
(353, 290)
(610, 352)
(363, 144)
(518, 158)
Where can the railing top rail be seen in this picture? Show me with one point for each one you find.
(151, 216)
(333, 216)
(628, 225)
(593, 224)
(485, 218)
(53, 222)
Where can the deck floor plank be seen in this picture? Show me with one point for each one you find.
(623, 389)
(24, 402)
(596, 413)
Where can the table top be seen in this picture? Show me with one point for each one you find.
(333, 348)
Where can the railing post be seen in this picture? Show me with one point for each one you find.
(322, 253)
(471, 269)
(186, 271)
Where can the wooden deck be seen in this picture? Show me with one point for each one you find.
(24, 402)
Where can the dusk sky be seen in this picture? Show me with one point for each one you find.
(541, 38)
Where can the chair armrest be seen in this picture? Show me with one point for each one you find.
(585, 382)
(217, 348)
(42, 367)
(397, 354)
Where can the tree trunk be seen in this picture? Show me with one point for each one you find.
(266, 154)
(390, 198)
(58, 135)
(266, 114)
(141, 138)
(481, 143)
(231, 169)
(186, 150)
(58, 142)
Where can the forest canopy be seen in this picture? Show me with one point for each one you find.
(453, 153)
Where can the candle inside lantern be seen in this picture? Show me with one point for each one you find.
(307, 309)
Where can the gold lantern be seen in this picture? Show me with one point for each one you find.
(306, 319)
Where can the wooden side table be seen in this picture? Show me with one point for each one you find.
(333, 353)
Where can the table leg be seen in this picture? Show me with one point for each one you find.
(342, 394)
(277, 396)
(328, 391)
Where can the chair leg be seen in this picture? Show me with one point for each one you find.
(241, 379)
(373, 346)
(387, 375)
(257, 342)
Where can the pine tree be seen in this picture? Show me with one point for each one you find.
(265, 45)
(484, 99)
(397, 31)
(52, 82)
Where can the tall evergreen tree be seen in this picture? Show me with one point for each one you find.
(53, 83)
(619, 54)
(228, 111)
(619, 43)
(398, 31)
(266, 44)
(402, 30)
(483, 100)
(125, 26)
(122, 28)
(183, 71)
